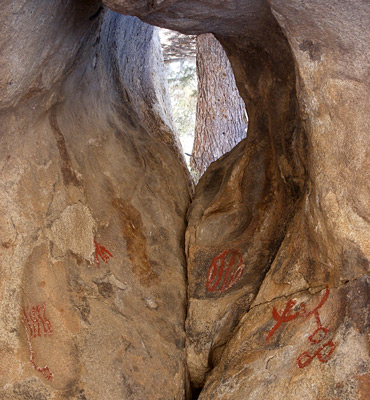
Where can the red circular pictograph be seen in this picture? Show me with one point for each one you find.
(225, 270)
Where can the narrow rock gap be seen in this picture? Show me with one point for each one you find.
(221, 117)
(263, 127)
(212, 100)
(179, 54)
(250, 240)
(209, 115)
(196, 393)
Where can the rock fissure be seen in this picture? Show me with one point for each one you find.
(274, 302)
(311, 290)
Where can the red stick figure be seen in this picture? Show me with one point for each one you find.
(102, 252)
(319, 335)
(284, 317)
(321, 332)
(220, 278)
(324, 352)
(315, 311)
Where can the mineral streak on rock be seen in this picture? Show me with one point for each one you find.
(85, 122)
(294, 197)
(87, 150)
(136, 242)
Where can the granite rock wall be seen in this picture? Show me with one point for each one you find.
(111, 286)
(93, 202)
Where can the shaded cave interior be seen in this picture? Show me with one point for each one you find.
(271, 165)
(103, 174)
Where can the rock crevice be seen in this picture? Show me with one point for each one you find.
(94, 298)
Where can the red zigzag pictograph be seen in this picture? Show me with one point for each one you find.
(36, 324)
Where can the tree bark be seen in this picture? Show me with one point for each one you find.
(221, 117)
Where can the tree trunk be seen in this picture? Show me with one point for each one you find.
(221, 117)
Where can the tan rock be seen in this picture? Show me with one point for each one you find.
(93, 202)
(278, 236)
(291, 202)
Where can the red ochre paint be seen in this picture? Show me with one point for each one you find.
(35, 325)
(225, 270)
(37, 322)
(305, 358)
(324, 352)
(284, 317)
(102, 252)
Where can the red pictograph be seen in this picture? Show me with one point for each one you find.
(102, 252)
(225, 270)
(284, 317)
(305, 358)
(324, 351)
(36, 324)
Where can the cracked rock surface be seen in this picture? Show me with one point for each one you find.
(96, 221)
(285, 215)
(92, 207)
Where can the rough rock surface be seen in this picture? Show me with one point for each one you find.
(92, 207)
(282, 224)
(94, 195)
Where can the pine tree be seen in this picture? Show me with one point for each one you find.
(221, 119)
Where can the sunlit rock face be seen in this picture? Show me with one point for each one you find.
(94, 287)
(278, 237)
(93, 202)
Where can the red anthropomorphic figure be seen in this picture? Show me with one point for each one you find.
(324, 351)
(283, 318)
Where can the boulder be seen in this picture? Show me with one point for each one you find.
(93, 203)
(282, 221)
(95, 299)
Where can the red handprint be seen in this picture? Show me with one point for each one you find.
(102, 252)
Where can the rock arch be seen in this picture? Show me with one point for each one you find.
(95, 195)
